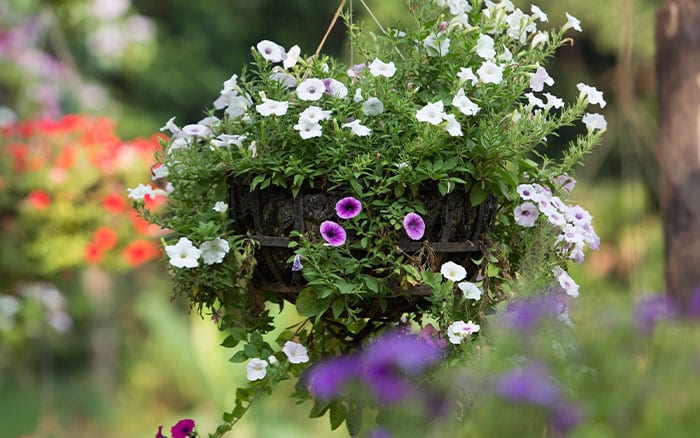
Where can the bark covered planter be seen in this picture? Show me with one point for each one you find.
(454, 230)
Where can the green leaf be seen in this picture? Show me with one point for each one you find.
(257, 180)
(230, 342)
(477, 195)
(251, 350)
(356, 187)
(337, 415)
(319, 408)
(238, 333)
(372, 284)
(338, 307)
(308, 304)
(239, 357)
(344, 287)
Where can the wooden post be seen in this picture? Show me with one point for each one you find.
(678, 148)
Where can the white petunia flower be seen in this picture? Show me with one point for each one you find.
(490, 73)
(537, 12)
(437, 45)
(230, 85)
(314, 114)
(466, 74)
(139, 192)
(526, 214)
(594, 121)
(453, 127)
(506, 56)
(272, 359)
(358, 96)
(470, 290)
(214, 251)
(591, 94)
(453, 271)
(292, 57)
(539, 38)
(484, 47)
(432, 113)
(379, 68)
(358, 129)
(273, 52)
(336, 88)
(553, 102)
(183, 254)
(196, 130)
(160, 172)
(539, 79)
(256, 369)
(566, 282)
(237, 106)
(308, 128)
(220, 207)
(572, 23)
(296, 353)
(458, 331)
(534, 101)
(464, 104)
(225, 140)
(372, 107)
(311, 89)
(171, 126)
(283, 78)
(270, 107)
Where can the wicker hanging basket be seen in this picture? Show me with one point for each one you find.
(453, 231)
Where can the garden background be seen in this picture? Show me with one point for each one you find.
(132, 360)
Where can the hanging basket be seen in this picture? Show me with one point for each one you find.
(453, 231)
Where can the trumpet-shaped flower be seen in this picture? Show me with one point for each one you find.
(296, 353)
(484, 47)
(308, 128)
(256, 369)
(437, 44)
(335, 88)
(372, 107)
(539, 79)
(490, 73)
(380, 68)
(315, 114)
(296, 263)
(432, 113)
(292, 57)
(566, 282)
(273, 52)
(526, 214)
(357, 128)
(333, 233)
(459, 331)
(470, 290)
(553, 102)
(453, 272)
(464, 104)
(311, 89)
(453, 127)
(466, 74)
(591, 94)
(270, 107)
(572, 23)
(594, 121)
(414, 226)
(183, 254)
(537, 13)
(214, 251)
(348, 208)
(220, 207)
(182, 429)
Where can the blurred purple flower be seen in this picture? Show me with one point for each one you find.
(182, 428)
(524, 314)
(379, 432)
(327, 379)
(565, 417)
(333, 233)
(693, 309)
(530, 385)
(383, 366)
(348, 208)
(414, 226)
(651, 310)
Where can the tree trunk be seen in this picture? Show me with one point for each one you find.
(678, 148)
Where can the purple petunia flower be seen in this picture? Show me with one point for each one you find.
(414, 226)
(530, 385)
(160, 433)
(296, 263)
(333, 233)
(182, 428)
(348, 208)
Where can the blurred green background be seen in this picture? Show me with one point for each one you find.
(134, 359)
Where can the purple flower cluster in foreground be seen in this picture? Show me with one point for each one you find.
(384, 367)
(522, 315)
(532, 385)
